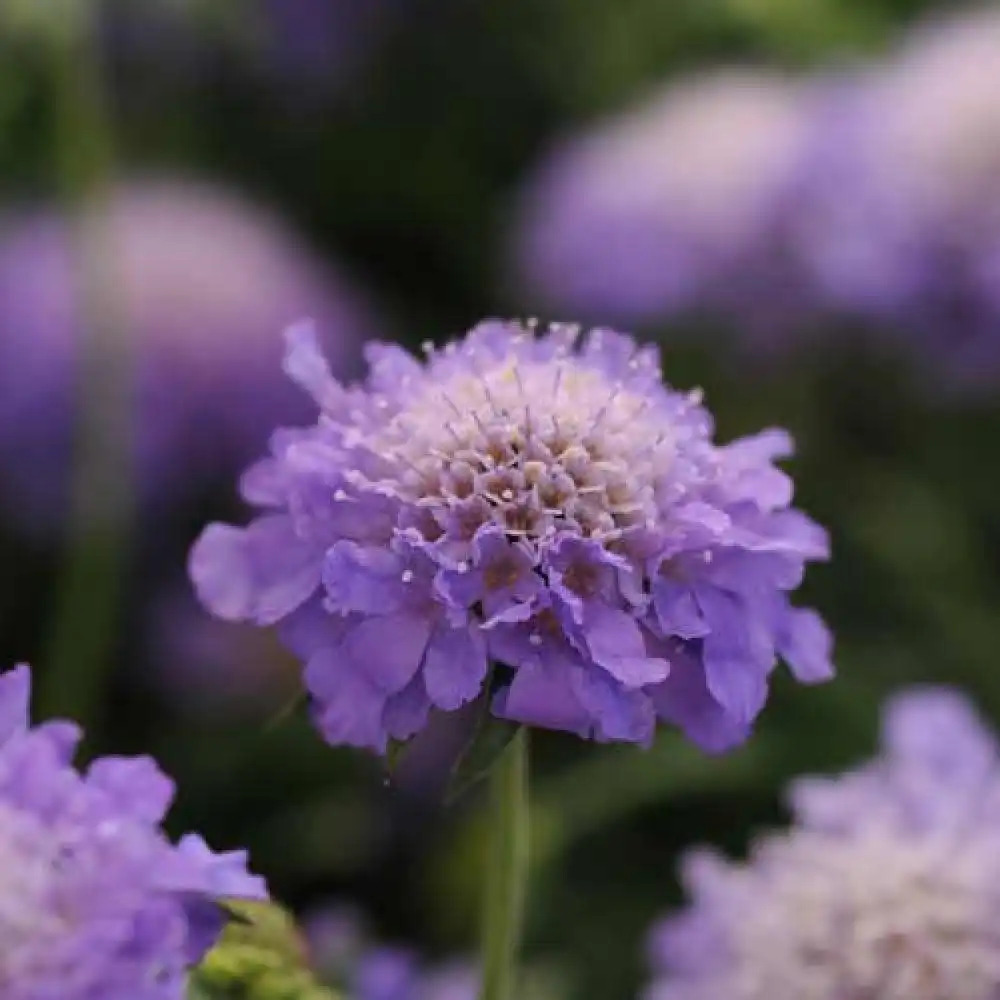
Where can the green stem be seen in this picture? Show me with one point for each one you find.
(98, 527)
(507, 874)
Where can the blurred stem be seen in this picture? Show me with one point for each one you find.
(99, 523)
(507, 871)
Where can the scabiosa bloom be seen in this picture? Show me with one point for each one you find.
(667, 208)
(95, 902)
(202, 280)
(887, 886)
(559, 512)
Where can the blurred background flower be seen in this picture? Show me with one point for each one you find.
(795, 201)
(202, 282)
(886, 886)
(669, 208)
(921, 166)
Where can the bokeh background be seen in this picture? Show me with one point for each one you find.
(800, 201)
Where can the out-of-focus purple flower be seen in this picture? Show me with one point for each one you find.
(668, 208)
(887, 886)
(900, 218)
(95, 902)
(202, 281)
(517, 500)
(343, 953)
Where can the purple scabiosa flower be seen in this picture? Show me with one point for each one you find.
(518, 500)
(669, 207)
(203, 279)
(887, 886)
(95, 902)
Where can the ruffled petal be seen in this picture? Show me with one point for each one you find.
(684, 700)
(348, 707)
(738, 655)
(386, 650)
(136, 786)
(541, 694)
(455, 666)
(406, 712)
(365, 578)
(260, 573)
(677, 610)
(806, 644)
(615, 641)
(616, 713)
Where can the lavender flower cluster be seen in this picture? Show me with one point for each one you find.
(517, 501)
(887, 886)
(95, 902)
(785, 205)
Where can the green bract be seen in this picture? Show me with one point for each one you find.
(260, 957)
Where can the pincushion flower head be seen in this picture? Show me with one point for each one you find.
(520, 500)
(887, 886)
(95, 902)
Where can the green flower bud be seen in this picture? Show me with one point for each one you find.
(261, 957)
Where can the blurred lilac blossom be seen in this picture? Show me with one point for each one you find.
(887, 885)
(868, 195)
(908, 232)
(206, 282)
(667, 208)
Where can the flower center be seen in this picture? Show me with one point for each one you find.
(535, 446)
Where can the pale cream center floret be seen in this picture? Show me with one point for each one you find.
(542, 443)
